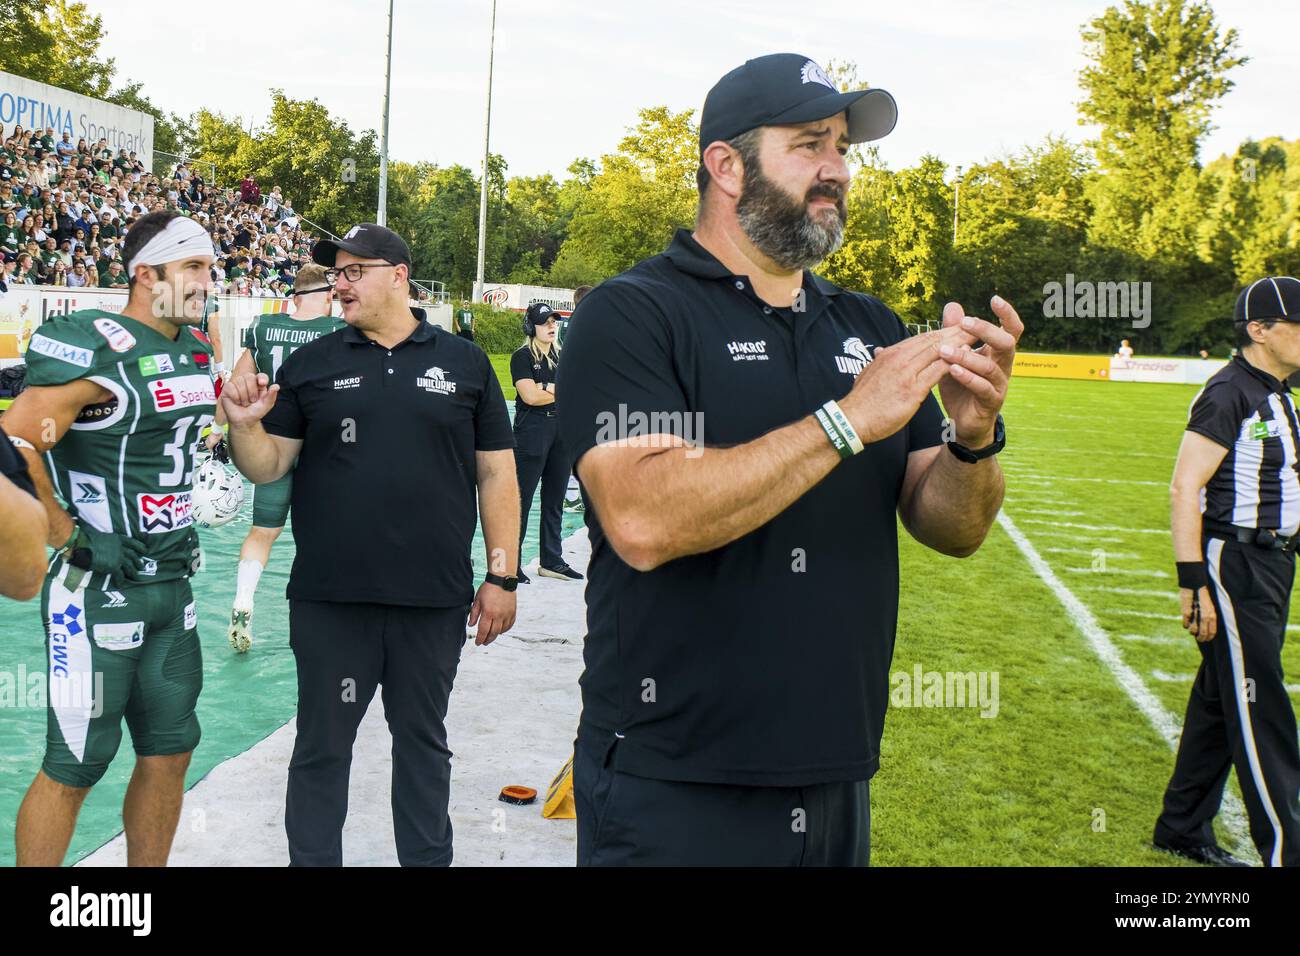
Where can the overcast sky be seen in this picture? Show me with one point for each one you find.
(973, 79)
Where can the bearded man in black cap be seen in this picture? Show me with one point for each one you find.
(747, 435)
(402, 437)
(1235, 514)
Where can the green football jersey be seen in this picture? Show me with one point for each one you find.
(127, 465)
(274, 336)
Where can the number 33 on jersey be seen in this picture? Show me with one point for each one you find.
(127, 465)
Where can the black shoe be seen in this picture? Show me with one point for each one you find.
(561, 571)
(523, 578)
(1211, 855)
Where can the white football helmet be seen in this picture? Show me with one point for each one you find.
(218, 494)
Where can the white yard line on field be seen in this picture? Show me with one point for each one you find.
(1052, 479)
(1061, 450)
(1135, 592)
(1151, 614)
(1162, 721)
(1131, 572)
(1097, 527)
(1173, 678)
(1050, 512)
(1089, 552)
(1150, 639)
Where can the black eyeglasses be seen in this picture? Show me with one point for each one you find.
(354, 270)
(323, 288)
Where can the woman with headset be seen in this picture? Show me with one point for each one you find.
(538, 452)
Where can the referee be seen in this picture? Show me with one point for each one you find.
(396, 426)
(747, 435)
(1236, 564)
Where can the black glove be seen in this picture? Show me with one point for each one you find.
(105, 552)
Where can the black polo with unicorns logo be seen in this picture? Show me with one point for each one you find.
(385, 489)
(764, 662)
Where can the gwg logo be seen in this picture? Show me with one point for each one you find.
(496, 296)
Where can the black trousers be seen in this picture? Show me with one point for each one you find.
(625, 820)
(343, 652)
(1240, 713)
(540, 456)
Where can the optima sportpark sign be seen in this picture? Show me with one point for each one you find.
(35, 106)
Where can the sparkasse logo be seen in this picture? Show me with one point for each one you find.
(183, 391)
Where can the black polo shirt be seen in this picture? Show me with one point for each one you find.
(1252, 415)
(767, 659)
(385, 489)
(524, 366)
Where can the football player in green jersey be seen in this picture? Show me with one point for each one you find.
(110, 423)
(270, 340)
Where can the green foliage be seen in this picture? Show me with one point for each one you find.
(497, 330)
(629, 210)
(1156, 69)
(325, 171)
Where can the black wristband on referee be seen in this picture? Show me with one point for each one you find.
(1191, 574)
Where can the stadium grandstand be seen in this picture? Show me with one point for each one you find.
(65, 208)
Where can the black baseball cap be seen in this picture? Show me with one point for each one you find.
(1269, 299)
(540, 312)
(784, 88)
(367, 240)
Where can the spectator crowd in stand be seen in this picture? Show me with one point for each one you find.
(65, 209)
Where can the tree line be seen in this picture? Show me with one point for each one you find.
(1135, 204)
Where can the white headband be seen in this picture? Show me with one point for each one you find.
(181, 239)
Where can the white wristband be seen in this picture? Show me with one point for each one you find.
(841, 423)
(21, 442)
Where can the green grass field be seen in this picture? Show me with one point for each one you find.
(1088, 467)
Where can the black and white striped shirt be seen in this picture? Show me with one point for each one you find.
(1252, 414)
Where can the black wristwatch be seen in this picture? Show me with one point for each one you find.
(505, 584)
(988, 451)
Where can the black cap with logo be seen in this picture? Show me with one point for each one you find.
(365, 240)
(784, 88)
(1270, 299)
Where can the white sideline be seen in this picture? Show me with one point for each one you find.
(1165, 724)
(512, 720)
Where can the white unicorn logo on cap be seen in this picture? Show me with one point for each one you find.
(812, 73)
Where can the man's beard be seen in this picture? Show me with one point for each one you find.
(782, 228)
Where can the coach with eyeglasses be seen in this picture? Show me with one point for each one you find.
(398, 427)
